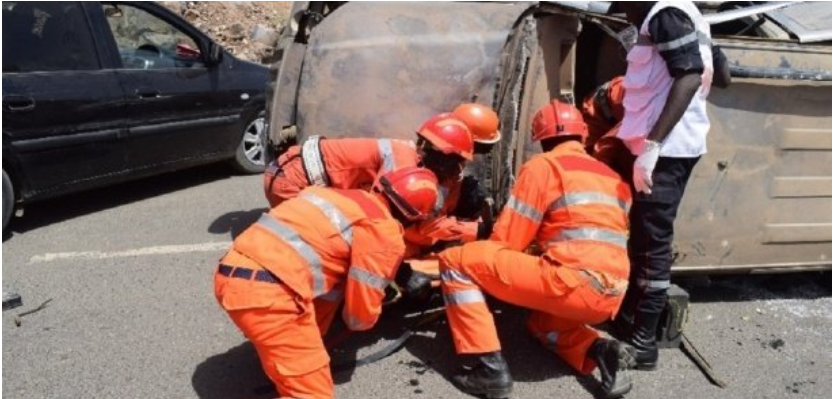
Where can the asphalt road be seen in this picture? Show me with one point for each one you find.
(129, 271)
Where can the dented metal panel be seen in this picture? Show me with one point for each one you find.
(762, 195)
(401, 64)
(760, 199)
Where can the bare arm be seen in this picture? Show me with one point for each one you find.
(682, 92)
(721, 71)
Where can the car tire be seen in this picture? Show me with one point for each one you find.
(8, 199)
(249, 157)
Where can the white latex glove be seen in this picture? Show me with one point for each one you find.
(644, 165)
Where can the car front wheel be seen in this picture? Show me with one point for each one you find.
(249, 158)
(8, 199)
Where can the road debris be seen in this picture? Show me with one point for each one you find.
(11, 299)
(18, 318)
(690, 350)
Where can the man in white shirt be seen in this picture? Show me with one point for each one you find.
(665, 126)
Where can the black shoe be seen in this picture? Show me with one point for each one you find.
(644, 349)
(490, 377)
(612, 360)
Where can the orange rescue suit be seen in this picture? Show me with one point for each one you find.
(575, 209)
(285, 276)
(603, 111)
(441, 227)
(354, 163)
(347, 163)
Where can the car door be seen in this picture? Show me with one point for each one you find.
(63, 110)
(176, 111)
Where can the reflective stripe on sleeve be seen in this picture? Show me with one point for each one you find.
(367, 278)
(314, 165)
(449, 276)
(292, 238)
(463, 297)
(524, 209)
(386, 154)
(682, 41)
(337, 218)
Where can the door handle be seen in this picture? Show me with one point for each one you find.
(147, 93)
(17, 103)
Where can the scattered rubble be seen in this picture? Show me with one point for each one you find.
(247, 29)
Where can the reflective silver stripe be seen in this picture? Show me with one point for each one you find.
(585, 198)
(551, 340)
(334, 295)
(354, 324)
(653, 283)
(337, 218)
(674, 44)
(598, 285)
(590, 233)
(462, 297)
(314, 166)
(450, 275)
(386, 153)
(702, 37)
(292, 238)
(367, 278)
(524, 209)
(439, 202)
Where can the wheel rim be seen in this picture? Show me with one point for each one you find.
(253, 141)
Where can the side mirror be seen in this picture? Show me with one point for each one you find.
(215, 54)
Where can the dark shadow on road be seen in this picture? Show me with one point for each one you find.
(433, 348)
(232, 375)
(752, 287)
(47, 212)
(236, 222)
(527, 359)
(237, 373)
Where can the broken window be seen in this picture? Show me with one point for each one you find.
(146, 41)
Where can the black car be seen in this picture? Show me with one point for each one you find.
(100, 92)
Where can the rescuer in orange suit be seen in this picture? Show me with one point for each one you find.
(304, 256)
(443, 146)
(602, 112)
(575, 209)
(461, 199)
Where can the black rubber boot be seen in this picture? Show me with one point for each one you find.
(642, 344)
(490, 377)
(612, 360)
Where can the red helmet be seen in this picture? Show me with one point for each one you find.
(482, 121)
(558, 119)
(449, 134)
(413, 190)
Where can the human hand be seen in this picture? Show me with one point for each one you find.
(644, 165)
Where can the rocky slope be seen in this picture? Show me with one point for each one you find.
(248, 29)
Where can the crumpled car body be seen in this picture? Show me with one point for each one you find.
(760, 200)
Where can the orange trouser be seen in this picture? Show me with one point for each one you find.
(284, 330)
(563, 300)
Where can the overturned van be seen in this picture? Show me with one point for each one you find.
(760, 200)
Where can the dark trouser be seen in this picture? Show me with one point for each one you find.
(651, 237)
